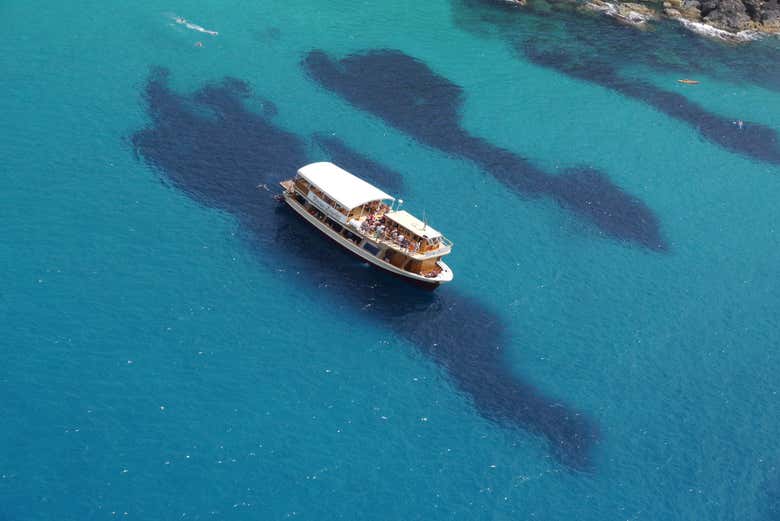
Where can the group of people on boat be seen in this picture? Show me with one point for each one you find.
(374, 225)
(401, 240)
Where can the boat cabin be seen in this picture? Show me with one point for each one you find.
(421, 237)
(329, 188)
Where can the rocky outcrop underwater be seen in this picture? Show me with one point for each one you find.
(730, 20)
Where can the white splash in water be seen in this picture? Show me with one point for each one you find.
(189, 25)
(714, 32)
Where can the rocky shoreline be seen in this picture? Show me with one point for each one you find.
(729, 20)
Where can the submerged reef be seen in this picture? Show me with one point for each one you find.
(212, 148)
(410, 96)
(730, 20)
(602, 53)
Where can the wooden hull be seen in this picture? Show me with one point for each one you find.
(418, 280)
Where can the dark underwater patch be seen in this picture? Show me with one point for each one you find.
(671, 47)
(599, 47)
(753, 139)
(376, 173)
(772, 492)
(410, 96)
(219, 161)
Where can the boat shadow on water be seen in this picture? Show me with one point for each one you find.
(212, 148)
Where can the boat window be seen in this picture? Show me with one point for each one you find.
(334, 225)
(351, 236)
(371, 248)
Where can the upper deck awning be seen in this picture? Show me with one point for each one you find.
(341, 186)
(413, 224)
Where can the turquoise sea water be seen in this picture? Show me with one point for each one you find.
(174, 350)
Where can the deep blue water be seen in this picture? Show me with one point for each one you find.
(177, 345)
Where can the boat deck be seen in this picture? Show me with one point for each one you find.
(378, 238)
(438, 273)
(385, 239)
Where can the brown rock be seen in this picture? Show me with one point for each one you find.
(770, 15)
(730, 15)
(691, 14)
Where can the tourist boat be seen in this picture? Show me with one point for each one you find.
(369, 223)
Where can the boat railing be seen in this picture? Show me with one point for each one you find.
(383, 237)
(388, 240)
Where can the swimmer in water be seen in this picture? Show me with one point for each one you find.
(198, 44)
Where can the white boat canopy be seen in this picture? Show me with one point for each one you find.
(344, 188)
(413, 224)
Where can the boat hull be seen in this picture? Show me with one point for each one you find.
(417, 280)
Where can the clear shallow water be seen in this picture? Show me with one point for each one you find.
(164, 355)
